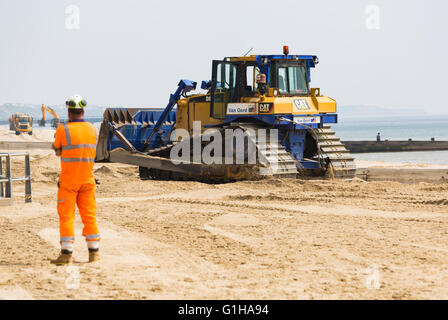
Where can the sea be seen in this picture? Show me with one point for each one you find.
(396, 128)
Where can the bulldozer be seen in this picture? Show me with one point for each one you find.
(258, 116)
(54, 122)
(21, 123)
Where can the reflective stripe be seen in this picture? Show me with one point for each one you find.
(93, 244)
(67, 135)
(79, 146)
(61, 200)
(92, 236)
(67, 239)
(77, 159)
(67, 246)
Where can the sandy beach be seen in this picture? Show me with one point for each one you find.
(269, 239)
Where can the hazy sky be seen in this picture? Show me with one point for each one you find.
(133, 53)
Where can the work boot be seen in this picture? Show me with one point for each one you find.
(94, 255)
(65, 258)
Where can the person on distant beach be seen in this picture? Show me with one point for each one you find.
(378, 137)
(75, 142)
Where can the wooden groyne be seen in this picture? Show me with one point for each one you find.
(394, 146)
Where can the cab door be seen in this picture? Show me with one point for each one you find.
(223, 91)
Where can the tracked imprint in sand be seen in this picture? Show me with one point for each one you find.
(125, 255)
(235, 219)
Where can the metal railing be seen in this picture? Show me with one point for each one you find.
(7, 179)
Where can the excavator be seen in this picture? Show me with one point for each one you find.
(258, 117)
(54, 122)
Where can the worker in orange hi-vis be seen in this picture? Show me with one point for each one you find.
(75, 142)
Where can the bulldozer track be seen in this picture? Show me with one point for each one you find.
(277, 161)
(272, 157)
(331, 148)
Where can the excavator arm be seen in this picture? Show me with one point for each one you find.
(55, 121)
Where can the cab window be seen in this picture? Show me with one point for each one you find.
(226, 77)
(292, 80)
(223, 87)
(282, 77)
(251, 76)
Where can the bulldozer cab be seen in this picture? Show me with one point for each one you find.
(234, 79)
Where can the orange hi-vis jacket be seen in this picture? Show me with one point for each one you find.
(77, 139)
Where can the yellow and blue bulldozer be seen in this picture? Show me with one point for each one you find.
(265, 99)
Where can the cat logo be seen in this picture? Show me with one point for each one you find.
(265, 107)
(301, 104)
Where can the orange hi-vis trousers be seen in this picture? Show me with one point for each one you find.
(82, 195)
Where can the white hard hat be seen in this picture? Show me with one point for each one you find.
(75, 102)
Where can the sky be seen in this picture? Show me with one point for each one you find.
(132, 53)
